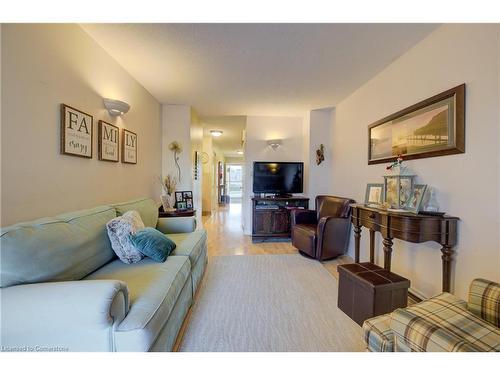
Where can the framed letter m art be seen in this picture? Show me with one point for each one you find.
(108, 143)
(76, 132)
(129, 147)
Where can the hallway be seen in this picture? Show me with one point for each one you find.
(225, 237)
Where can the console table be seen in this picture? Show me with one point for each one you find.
(409, 227)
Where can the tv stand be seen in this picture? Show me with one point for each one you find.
(271, 216)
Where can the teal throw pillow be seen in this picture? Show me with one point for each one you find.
(153, 244)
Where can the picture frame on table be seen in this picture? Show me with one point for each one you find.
(414, 203)
(178, 196)
(374, 195)
(184, 200)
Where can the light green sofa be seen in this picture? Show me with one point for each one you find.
(63, 288)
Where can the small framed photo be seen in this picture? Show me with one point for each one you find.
(415, 201)
(129, 147)
(77, 132)
(108, 144)
(374, 194)
(178, 197)
(184, 200)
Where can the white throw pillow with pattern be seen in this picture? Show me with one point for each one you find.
(119, 230)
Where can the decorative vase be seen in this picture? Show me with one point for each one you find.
(166, 202)
(432, 205)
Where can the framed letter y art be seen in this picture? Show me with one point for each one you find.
(108, 142)
(76, 132)
(129, 147)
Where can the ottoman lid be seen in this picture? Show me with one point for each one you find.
(371, 276)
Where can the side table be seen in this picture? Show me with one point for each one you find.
(176, 213)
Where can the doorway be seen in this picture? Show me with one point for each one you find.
(234, 175)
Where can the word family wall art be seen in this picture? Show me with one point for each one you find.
(77, 138)
(129, 148)
(108, 142)
(76, 132)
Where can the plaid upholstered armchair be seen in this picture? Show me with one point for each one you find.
(442, 323)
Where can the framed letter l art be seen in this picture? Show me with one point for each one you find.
(108, 142)
(129, 147)
(76, 132)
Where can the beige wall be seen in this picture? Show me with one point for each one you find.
(467, 184)
(319, 133)
(196, 133)
(176, 126)
(42, 67)
(208, 178)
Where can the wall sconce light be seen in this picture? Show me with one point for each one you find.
(216, 133)
(274, 143)
(116, 107)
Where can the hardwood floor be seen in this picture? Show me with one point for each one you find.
(225, 237)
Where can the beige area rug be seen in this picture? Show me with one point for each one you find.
(269, 303)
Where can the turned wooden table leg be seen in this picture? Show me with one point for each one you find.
(447, 258)
(357, 237)
(372, 246)
(387, 253)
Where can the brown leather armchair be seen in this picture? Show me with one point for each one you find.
(323, 234)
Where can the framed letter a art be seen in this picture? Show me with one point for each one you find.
(76, 132)
(108, 142)
(129, 147)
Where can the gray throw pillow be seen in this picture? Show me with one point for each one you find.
(119, 230)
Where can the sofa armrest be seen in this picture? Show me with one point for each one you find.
(335, 231)
(176, 224)
(63, 316)
(303, 217)
(420, 333)
(484, 300)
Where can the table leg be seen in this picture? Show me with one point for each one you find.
(357, 237)
(387, 253)
(372, 246)
(447, 258)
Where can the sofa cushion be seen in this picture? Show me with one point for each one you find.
(153, 292)
(61, 248)
(153, 244)
(119, 230)
(189, 244)
(146, 207)
(443, 323)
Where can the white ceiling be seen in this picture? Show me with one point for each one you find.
(255, 69)
(232, 127)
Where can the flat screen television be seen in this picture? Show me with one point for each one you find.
(278, 178)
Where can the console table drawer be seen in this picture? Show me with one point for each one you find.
(370, 216)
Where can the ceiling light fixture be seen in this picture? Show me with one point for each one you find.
(116, 107)
(216, 133)
(239, 152)
(274, 143)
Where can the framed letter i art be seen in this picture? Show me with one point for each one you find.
(129, 147)
(108, 142)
